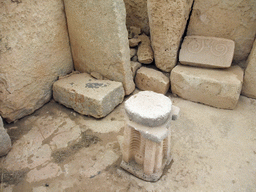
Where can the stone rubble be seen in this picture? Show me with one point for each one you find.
(210, 52)
(226, 19)
(99, 45)
(167, 21)
(249, 86)
(134, 42)
(88, 96)
(219, 88)
(133, 32)
(133, 52)
(5, 140)
(148, 79)
(145, 52)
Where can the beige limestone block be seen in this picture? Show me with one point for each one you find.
(210, 52)
(226, 19)
(34, 51)
(145, 52)
(249, 86)
(134, 42)
(88, 96)
(215, 87)
(137, 14)
(152, 80)
(167, 21)
(99, 39)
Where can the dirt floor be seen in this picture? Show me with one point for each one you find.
(56, 149)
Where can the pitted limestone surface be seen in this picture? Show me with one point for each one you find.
(148, 108)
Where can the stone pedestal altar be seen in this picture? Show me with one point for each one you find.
(147, 135)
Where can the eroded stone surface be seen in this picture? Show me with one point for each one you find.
(209, 52)
(214, 87)
(227, 19)
(148, 108)
(34, 51)
(137, 14)
(167, 22)
(152, 80)
(87, 95)
(249, 86)
(97, 44)
(145, 52)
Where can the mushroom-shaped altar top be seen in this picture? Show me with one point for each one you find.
(148, 108)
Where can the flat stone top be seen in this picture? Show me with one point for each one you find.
(86, 85)
(148, 108)
(209, 52)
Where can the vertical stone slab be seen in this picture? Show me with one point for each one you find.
(226, 19)
(99, 39)
(249, 86)
(34, 51)
(167, 21)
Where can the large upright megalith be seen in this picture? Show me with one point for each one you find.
(99, 39)
(167, 21)
(34, 51)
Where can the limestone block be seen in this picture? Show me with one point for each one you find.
(135, 66)
(133, 32)
(226, 19)
(215, 87)
(134, 42)
(148, 108)
(87, 95)
(99, 39)
(145, 52)
(249, 86)
(137, 14)
(152, 80)
(34, 51)
(167, 21)
(5, 141)
(210, 52)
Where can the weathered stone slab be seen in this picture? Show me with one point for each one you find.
(87, 95)
(215, 87)
(226, 19)
(167, 21)
(145, 52)
(152, 80)
(209, 52)
(99, 39)
(34, 51)
(137, 14)
(249, 86)
(148, 108)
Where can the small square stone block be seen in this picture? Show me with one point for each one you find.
(88, 96)
(210, 52)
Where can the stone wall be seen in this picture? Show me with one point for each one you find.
(34, 51)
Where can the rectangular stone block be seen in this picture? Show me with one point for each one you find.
(87, 95)
(226, 19)
(215, 87)
(208, 52)
(34, 51)
(148, 79)
(99, 39)
(167, 21)
(249, 86)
